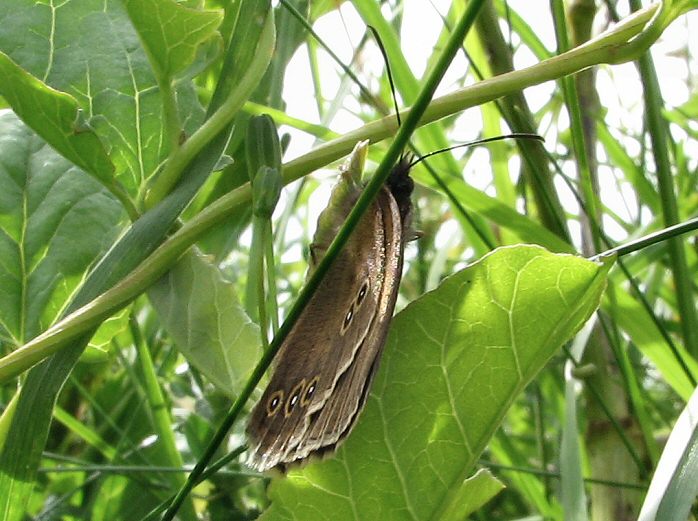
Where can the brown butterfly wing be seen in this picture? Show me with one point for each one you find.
(326, 364)
(331, 424)
(321, 346)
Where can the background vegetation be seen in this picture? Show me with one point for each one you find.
(126, 141)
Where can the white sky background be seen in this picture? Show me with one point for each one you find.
(618, 86)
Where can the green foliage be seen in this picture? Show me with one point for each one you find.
(134, 306)
(202, 314)
(56, 221)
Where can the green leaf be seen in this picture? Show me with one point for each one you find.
(455, 360)
(56, 116)
(674, 488)
(202, 314)
(54, 222)
(99, 348)
(90, 52)
(171, 32)
(473, 493)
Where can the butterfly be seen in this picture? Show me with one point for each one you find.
(324, 368)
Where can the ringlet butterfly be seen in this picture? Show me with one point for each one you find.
(324, 368)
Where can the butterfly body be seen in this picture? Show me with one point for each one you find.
(325, 366)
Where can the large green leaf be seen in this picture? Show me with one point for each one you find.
(171, 32)
(56, 116)
(91, 54)
(202, 314)
(455, 360)
(54, 222)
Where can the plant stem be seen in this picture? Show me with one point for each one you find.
(160, 415)
(653, 238)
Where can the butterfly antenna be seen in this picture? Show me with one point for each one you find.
(390, 72)
(515, 135)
